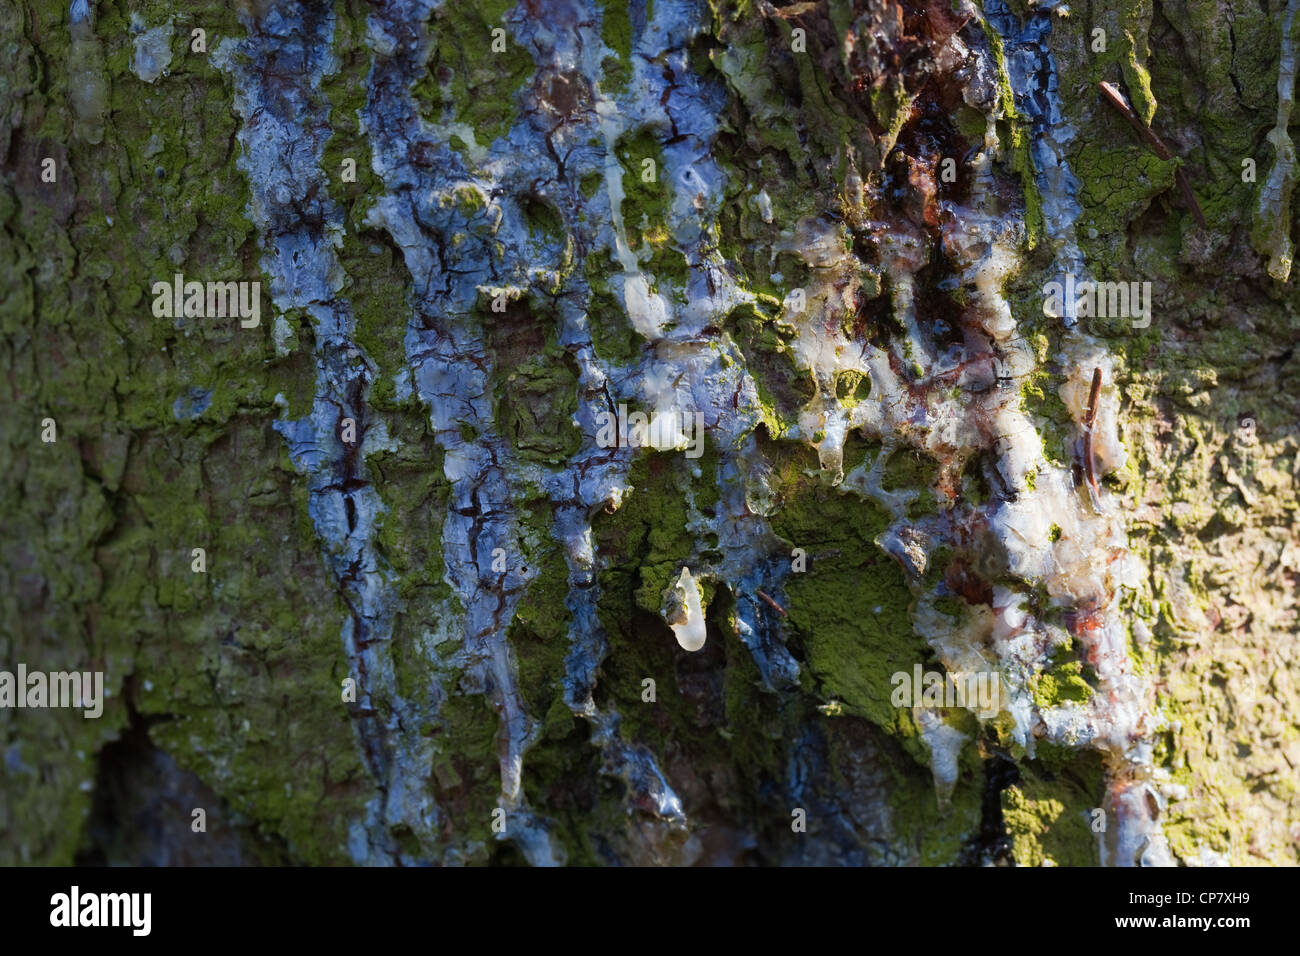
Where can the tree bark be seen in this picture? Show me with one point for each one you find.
(444, 602)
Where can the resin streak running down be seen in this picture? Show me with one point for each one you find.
(281, 144)
(1124, 722)
(1041, 562)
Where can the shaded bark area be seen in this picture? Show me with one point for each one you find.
(142, 802)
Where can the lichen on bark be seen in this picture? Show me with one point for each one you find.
(740, 209)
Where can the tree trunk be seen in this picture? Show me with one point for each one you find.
(948, 400)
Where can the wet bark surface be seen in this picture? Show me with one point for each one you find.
(992, 373)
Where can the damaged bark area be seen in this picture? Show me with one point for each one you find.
(826, 231)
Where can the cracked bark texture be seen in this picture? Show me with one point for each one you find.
(500, 272)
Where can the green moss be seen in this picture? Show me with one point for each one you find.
(590, 183)
(1052, 689)
(562, 774)
(347, 98)
(1065, 679)
(377, 288)
(1126, 26)
(776, 123)
(232, 729)
(616, 31)
(783, 388)
(467, 82)
(851, 608)
(1118, 183)
(1051, 819)
(466, 780)
(951, 606)
(1040, 399)
(612, 336)
(410, 482)
(539, 632)
(544, 220)
(537, 391)
(852, 387)
(646, 203)
(537, 403)
(932, 834)
(912, 470)
(651, 524)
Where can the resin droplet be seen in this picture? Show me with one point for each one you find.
(688, 621)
